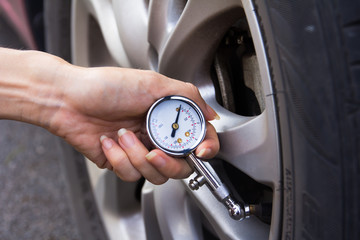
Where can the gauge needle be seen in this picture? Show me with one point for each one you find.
(175, 125)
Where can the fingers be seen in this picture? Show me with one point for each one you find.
(178, 167)
(191, 91)
(130, 158)
(119, 160)
(171, 167)
(166, 86)
(136, 152)
(210, 146)
(194, 94)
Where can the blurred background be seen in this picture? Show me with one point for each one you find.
(34, 200)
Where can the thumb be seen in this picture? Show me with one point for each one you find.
(190, 91)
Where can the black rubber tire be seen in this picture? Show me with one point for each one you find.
(57, 40)
(314, 54)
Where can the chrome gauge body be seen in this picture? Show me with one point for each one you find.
(176, 125)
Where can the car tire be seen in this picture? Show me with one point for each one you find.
(313, 51)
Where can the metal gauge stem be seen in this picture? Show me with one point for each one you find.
(176, 125)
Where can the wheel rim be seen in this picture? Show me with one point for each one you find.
(180, 39)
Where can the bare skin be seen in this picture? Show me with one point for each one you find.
(99, 111)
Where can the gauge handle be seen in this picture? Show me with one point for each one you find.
(207, 175)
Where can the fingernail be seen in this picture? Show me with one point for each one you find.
(126, 139)
(150, 155)
(121, 132)
(203, 152)
(155, 159)
(106, 142)
(210, 109)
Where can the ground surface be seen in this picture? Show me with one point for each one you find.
(34, 200)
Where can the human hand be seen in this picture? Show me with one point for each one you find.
(97, 102)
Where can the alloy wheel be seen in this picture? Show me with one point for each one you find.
(218, 47)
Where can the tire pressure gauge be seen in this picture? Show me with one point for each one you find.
(176, 125)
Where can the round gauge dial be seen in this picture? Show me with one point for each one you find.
(176, 125)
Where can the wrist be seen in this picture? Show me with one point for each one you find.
(31, 86)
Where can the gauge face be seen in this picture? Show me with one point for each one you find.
(176, 125)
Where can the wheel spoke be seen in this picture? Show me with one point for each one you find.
(132, 23)
(250, 145)
(159, 27)
(169, 212)
(193, 40)
(103, 12)
(121, 213)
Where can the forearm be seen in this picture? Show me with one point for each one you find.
(27, 89)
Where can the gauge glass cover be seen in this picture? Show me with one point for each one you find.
(176, 125)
